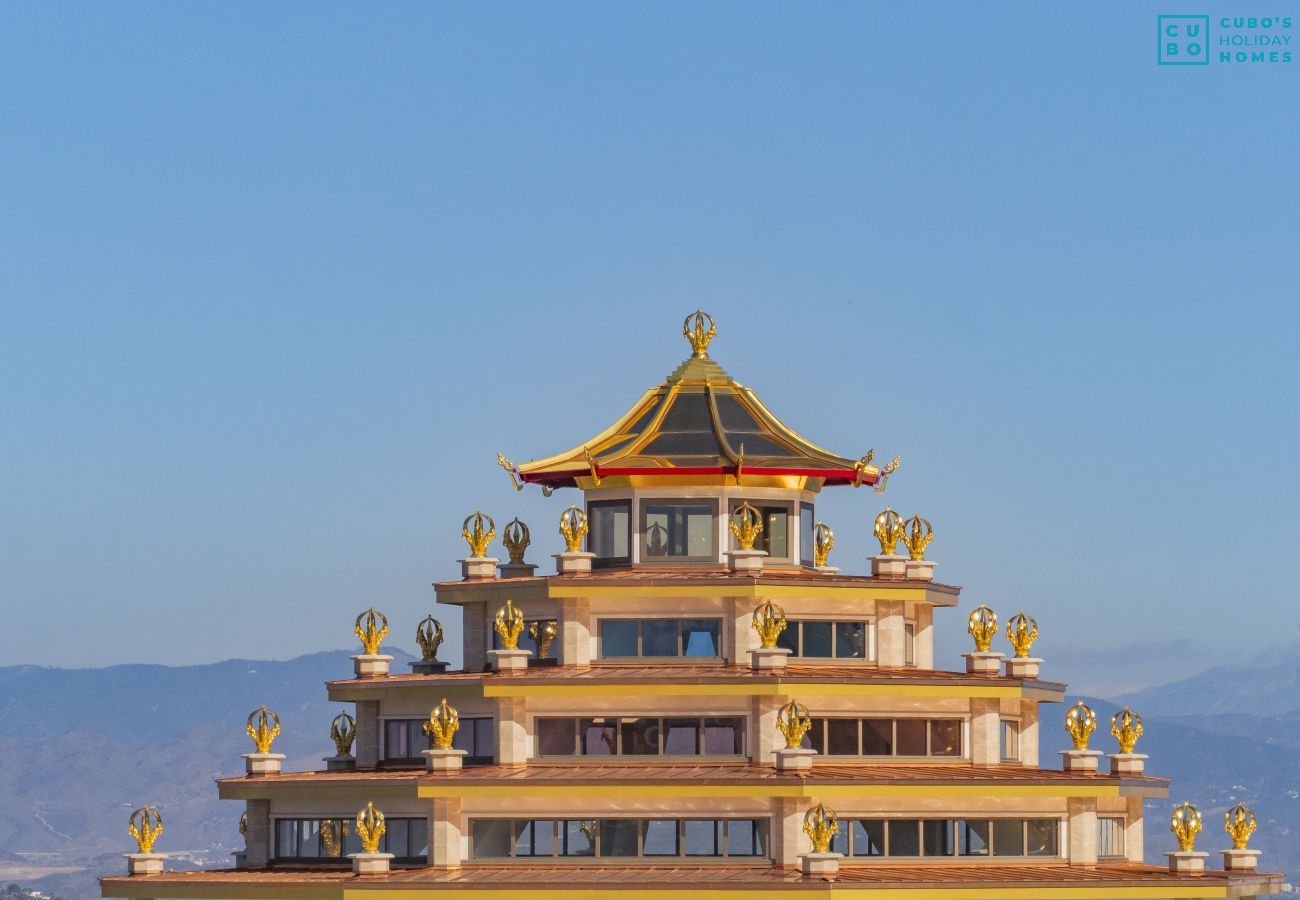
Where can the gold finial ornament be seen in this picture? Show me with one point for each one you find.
(370, 828)
(793, 723)
(510, 470)
(889, 530)
(1239, 822)
(1185, 823)
(332, 833)
(544, 634)
(823, 543)
(509, 623)
(917, 536)
(428, 634)
(1022, 631)
(478, 537)
(746, 524)
(145, 825)
(1126, 727)
(1080, 722)
(243, 824)
(694, 331)
(265, 731)
(343, 731)
(443, 724)
(769, 622)
(516, 537)
(821, 825)
(573, 525)
(982, 625)
(372, 627)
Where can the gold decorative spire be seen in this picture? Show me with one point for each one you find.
(694, 331)
(746, 524)
(889, 530)
(1022, 631)
(516, 537)
(982, 625)
(428, 634)
(370, 828)
(1080, 722)
(917, 536)
(343, 731)
(372, 627)
(332, 832)
(573, 525)
(477, 537)
(1185, 823)
(823, 543)
(1126, 727)
(145, 825)
(769, 622)
(243, 825)
(1239, 822)
(265, 731)
(793, 723)
(443, 724)
(544, 634)
(821, 825)
(509, 623)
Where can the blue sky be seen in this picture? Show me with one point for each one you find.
(277, 283)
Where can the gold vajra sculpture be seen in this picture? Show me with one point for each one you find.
(982, 625)
(1185, 823)
(917, 536)
(428, 634)
(332, 832)
(243, 825)
(746, 524)
(443, 724)
(265, 731)
(793, 723)
(889, 530)
(509, 623)
(1022, 631)
(516, 537)
(656, 540)
(1126, 727)
(694, 331)
(477, 537)
(372, 627)
(510, 470)
(145, 825)
(544, 634)
(769, 622)
(821, 825)
(1239, 822)
(370, 828)
(823, 543)
(343, 731)
(573, 525)
(1080, 722)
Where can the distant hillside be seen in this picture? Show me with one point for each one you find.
(1264, 687)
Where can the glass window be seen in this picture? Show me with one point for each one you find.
(404, 739)
(840, 841)
(909, 736)
(681, 737)
(909, 644)
(618, 837)
(724, 737)
(491, 838)
(1040, 837)
(678, 530)
(868, 837)
(702, 837)
(877, 737)
(659, 637)
(598, 737)
(826, 640)
(945, 737)
(904, 837)
(1010, 745)
(774, 539)
(609, 531)
(618, 637)
(523, 832)
(973, 837)
(477, 738)
(580, 837)
(1008, 837)
(527, 641)
(746, 837)
(700, 637)
(556, 737)
(850, 640)
(806, 525)
(789, 638)
(397, 836)
(419, 840)
(528, 838)
(660, 838)
(815, 737)
(937, 837)
(817, 638)
(1110, 837)
(842, 737)
(640, 737)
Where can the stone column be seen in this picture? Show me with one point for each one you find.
(474, 617)
(890, 650)
(512, 731)
(259, 837)
(764, 738)
(1133, 844)
(1082, 817)
(923, 647)
(788, 840)
(444, 833)
(985, 728)
(1029, 732)
(575, 636)
(367, 734)
(740, 637)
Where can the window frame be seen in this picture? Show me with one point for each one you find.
(764, 539)
(559, 829)
(820, 723)
(680, 621)
(739, 723)
(642, 513)
(849, 826)
(347, 821)
(602, 562)
(1009, 748)
(471, 760)
(1119, 829)
(868, 624)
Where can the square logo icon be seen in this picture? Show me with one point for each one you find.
(1183, 40)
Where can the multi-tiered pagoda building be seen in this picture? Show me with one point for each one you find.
(696, 702)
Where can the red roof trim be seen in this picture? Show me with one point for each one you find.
(829, 474)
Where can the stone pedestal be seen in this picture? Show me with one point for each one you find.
(826, 570)
(444, 760)
(768, 659)
(340, 763)
(747, 562)
(1084, 762)
(509, 662)
(820, 865)
(889, 566)
(241, 859)
(1023, 666)
(428, 666)
(371, 665)
(578, 563)
(371, 863)
(795, 759)
(920, 569)
(517, 570)
(476, 568)
(983, 662)
(1240, 860)
(1127, 763)
(144, 863)
(263, 763)
(1187, 862)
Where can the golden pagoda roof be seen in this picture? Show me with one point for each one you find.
(699, 426)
